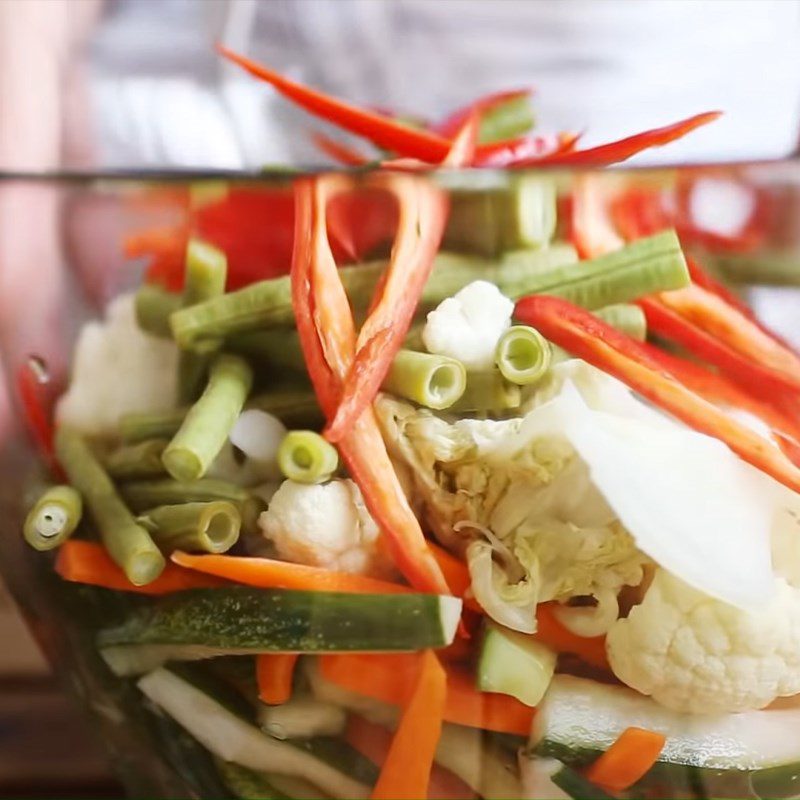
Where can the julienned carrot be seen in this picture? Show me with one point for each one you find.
(328, 339)
(87, 562)
(389, 678)
(551, 632)
(274, 674)
(382, 131)
(405, 773)
(455, 570)
(373, 742)
(589, 338)
(268, 573)
(623, 149)
(627, 760)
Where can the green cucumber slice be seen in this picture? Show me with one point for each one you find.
(517, 665)
(754, 753)
(201, 623)
(234, 740)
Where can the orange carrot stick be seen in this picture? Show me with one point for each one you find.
(627, 760)
(406, 770)
(388, 678)
(268, 573)
(274, 674)
(373, 741)
(87, 562)
(551, 632)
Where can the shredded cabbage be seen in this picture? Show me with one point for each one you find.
(584, 490)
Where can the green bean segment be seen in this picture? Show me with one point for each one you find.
(523, 355)
(139, 427)
(142, 495)
(488, 392)
(306, 457)
(53, 518)
(206, 273)
(206, 426)
(624, 317)
(128, 543)
(268, 304)
(210, 527)
(140, 460)
(153, 307)
(431, 380)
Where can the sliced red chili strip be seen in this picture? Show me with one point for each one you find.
(623, 149)
(327, 336)
(450, 126)
(338, 151)
(423, 216)
(36, 401)
(713, 330)
(382, 131)
(587, 337)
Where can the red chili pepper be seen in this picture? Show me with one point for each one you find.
(587, 337)
(423, 217)
(382, 131)
(338, 151)
(623, 149)
(729, 396)
(718, 333)
(328, 339)
(450, 126)
(36, 399)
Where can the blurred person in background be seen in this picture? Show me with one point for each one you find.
(136, 83)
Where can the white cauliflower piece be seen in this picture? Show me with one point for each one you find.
(468, 325)
(325, 525)
(695, 654)
(118, 369)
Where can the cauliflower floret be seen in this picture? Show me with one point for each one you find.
(695, 654)
(468, 325)
(325, 525)
(118, 369)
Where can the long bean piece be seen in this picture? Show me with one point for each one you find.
(209, 421)
(306, 457)
(488, 392)
(53, 518)
(430, 380)
(625, 317)
(142, 495)
(206, 273)
(523, 355)
(267, 304)
(210, 527)
(140, 460)
(154, 306)
(128, 543)
(138, 427)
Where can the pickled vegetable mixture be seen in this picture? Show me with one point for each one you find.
(415, 492)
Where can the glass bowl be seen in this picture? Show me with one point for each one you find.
(79, 244)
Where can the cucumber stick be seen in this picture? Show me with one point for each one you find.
(234, 740)
(514, 664)
(755, 751)
(239, 620)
